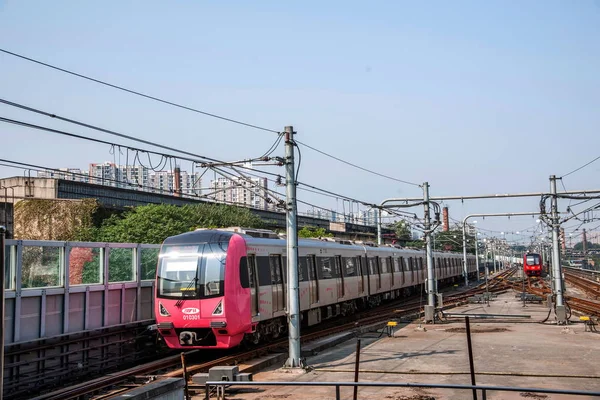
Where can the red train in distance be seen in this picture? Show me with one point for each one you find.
(532, 264)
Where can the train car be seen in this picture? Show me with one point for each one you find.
(532, 264)
(215, 288)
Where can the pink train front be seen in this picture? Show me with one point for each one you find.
(215, 288)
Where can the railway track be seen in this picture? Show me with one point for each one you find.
(590, 307)
(104, 387)
(590, 287)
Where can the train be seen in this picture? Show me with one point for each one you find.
(532, 264)
(218, 288)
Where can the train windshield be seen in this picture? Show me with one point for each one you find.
(533, 259)
(192, 271)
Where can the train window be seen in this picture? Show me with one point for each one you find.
(275, 267)
(264, 271)
(421, 263)
(325, 270)
(384, 265)
(410, 264)
(372, 266)
(244, 278)
(338, 271)
(398, 264)
(350, 266)
(302, 269)
(363, 266)
(312, 268)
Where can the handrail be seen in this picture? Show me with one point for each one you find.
(484, 388)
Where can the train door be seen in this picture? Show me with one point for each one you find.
(277, 282)
(313, 282)
(339, 276)
(361, 275)
(374, 272)
(366, 271)
(400, 269)
(253, 277)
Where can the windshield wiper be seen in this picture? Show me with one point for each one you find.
(184, 290)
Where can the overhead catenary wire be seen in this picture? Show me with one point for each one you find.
(137, 93)
(199, 159)
(580, 168)
(357, 166)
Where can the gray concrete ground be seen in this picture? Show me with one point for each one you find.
(507, 352)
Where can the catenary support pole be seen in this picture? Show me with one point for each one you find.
(465, 270)
(2, 285)
(430, 307)
(293, 308)
(561, 314)
(477, 256)
(379, 240)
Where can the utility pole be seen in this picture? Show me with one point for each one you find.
(465, 271)
(494, 255)
(430, 307)
(585, 245)
(2, 285)
(293, 310)
(379, 240)
(561, 314)
(477, 256)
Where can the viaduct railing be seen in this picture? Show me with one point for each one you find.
(54, 288)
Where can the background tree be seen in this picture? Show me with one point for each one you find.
(313, 232)
(154, 223)
(452, 240)
(590, 245)
(402, 230)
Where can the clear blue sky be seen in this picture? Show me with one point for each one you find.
(473, 97)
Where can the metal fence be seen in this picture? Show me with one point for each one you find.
(54, 288)
(219, 388)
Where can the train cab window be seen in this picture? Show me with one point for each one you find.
(350, 266)
(532, 259)
(275, 267)
(244, 277)
(264, 271)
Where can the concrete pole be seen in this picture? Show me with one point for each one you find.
(561, 314)
(465, 271)
(292, 253)
(379, 226)
(494, 256)
(2, 285)
(477, 256)
(430, 307)
(585, 245)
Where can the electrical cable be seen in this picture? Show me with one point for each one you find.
(357, 166)
(140, 93)
(583, 166)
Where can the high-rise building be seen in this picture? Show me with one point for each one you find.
(130, 176)
(250, 192)
(68, 174)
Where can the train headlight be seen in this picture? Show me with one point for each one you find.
(163, 311)
(219, 308)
